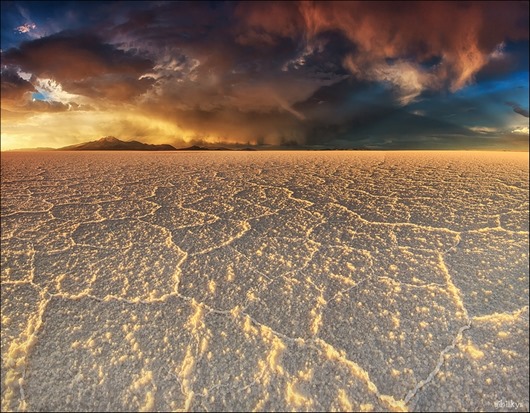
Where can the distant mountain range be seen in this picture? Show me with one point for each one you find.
(110, 143)
(202, 148)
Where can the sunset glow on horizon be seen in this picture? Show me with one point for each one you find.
(413, 75)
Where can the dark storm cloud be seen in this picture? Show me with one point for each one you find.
(83, 64)
(274, 57)
(280, 71)
(14, 88)
(70, 56)
(462, 33)
(384, 124)
(518, 109)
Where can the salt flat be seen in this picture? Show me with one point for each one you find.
(265, 281)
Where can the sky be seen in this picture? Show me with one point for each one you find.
(374, 75)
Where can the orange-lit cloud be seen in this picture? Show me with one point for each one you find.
(462, 35)
(259, 72)
(26, 27)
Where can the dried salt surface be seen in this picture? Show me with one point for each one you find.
(265, 281)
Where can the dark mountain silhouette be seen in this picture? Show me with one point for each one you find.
(193, 148)
(110, 143)
(202, 148)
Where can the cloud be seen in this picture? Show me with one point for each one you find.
(521, 130)
(69, 56)
(261, 23)
(409, 80)
(483, 129)
(17, 95)
(228, 125)
(14, 88)
(82, 64)
(457, 34)
(460, 35)
(267, 72)
(26, 27)
(499, 52)
(518, 109)
(53, 91)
